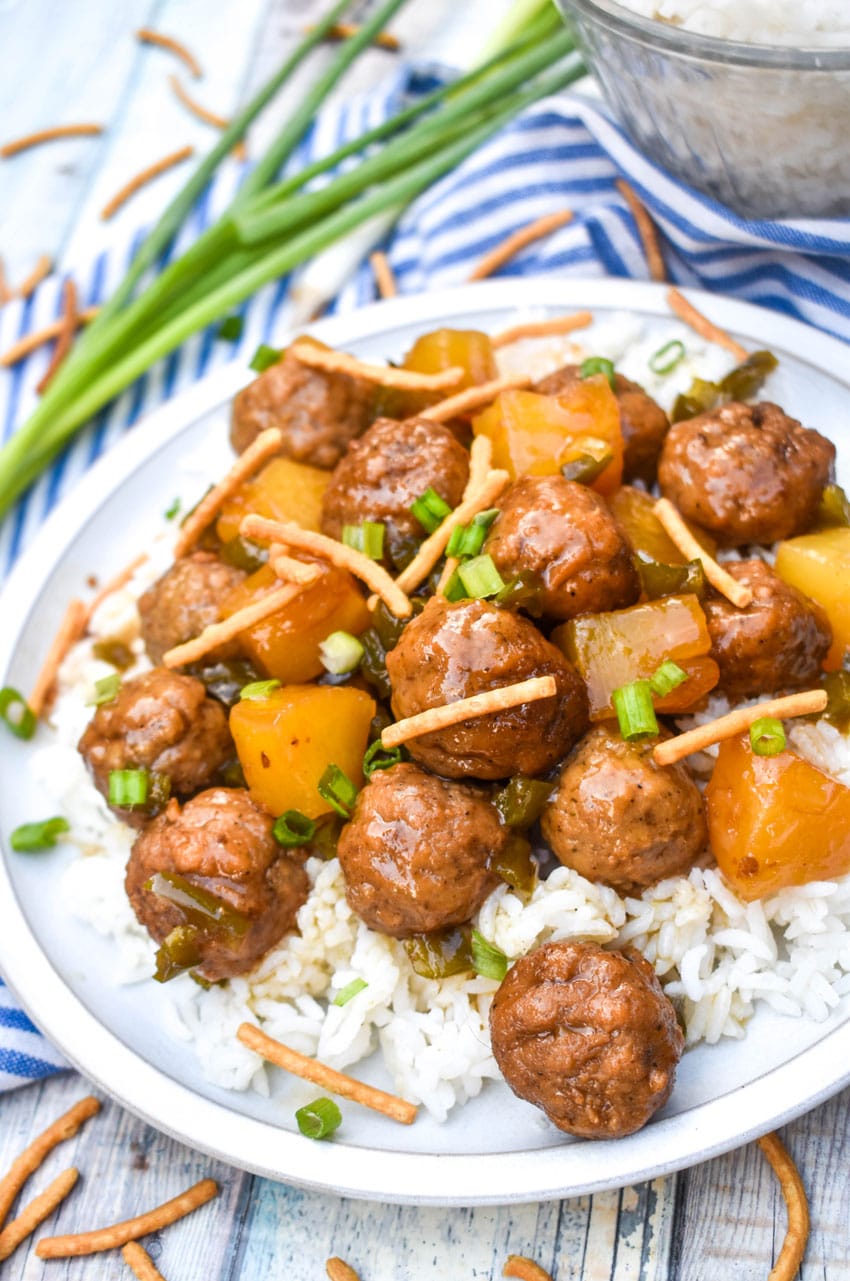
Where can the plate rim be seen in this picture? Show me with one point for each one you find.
(578, 1167)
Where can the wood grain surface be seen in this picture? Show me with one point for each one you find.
(723, 1221)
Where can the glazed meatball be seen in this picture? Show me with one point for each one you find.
(388, 469)
(588, 1036)
(317, 412)
(565, 535)
(644, 423)
(185, 601)
(417, 852)
(453, 651)
(619, 818)
(161, 722)
(777, 643)
(746, 473)
(222, 843)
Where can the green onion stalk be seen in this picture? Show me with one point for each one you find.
(273, 226)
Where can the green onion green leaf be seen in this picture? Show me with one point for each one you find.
(30, 837)
(340, 653)
(467, 540)
(367, 538)
(256, 691)
(379, 757)
(666, 678)
(230, 329)
(173, 511)
(430, 510)
(480, 577)
(319, 1120)
(128, 787)
(767, 736)
(293, 829)
(598, 365)
(264, 357)
(635, 712)
(345, 994)
(665, 360)
(105, 690)
(487, 959)
(337, 789)
(17, 713)
(454, 589)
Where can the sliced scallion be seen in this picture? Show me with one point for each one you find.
(17, 713)
(666, 678)
(293, 829)
(767, 736)
(105, 690)
(635, 712)
(467, 540)
(367, 538)
(340, 653)
(347, 993)
(598, 365)
(337, 789)
(379, 757)
(256, 691)
(488, 960)
(30, 837)
(318, 1120)
(454, 589)
(665, 360)
(430, 510)
(480, 577)
(264, 357)
(230, 329)
(173, 510)
(128, 787)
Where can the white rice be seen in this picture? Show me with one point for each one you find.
(821, 23)
(716, 957)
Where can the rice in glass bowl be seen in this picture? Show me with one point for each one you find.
(746, 102)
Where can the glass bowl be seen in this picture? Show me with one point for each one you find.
(763, 128)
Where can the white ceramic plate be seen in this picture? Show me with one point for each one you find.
(496, 1149)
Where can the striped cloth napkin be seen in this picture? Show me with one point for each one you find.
(564, 152)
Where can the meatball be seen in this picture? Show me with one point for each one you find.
(618, 817)
(417, 852)
(185, 601)
(317, 412)
(388, 469)
(643, 422)
(162, 722)
(746, 473)
(777, 643)
(588, 1036)
(453, 651)
(565, 535)
(222, 843)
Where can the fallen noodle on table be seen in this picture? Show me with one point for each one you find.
(118, 1234)
(34, 1156)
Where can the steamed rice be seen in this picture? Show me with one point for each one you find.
(817, 23)
(716, 957)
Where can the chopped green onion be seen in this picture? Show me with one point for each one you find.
(318, 1120)
(30, 837)
(345, 994)
(367, 538)
(379, 757)
(487, 959)
(430, 510)
(174, 510)
(767, 736)
(17, 713)
(337, 789)
(128, 787)
(256, 691)
(454, 589)
(105, 690)
(230, 329)
(467, 540)
(521, 801)
(635, 713)
(665, 360)
(480, 577)
(340, 653)
(293, 829)
(264, 357)
(598, 365)
(666, 678)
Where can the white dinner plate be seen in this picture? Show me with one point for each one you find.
(496, 1149)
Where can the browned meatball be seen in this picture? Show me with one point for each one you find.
(565, 535)
(644, 423)
(618, 817)
(746, 473)
(186, 600)
(161, 722)
(388, 469)
(453, 651)
(221, 843)
(588, 1036)
(417, 852)
(777, 643)
(317, 412)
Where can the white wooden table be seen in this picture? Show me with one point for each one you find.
(723, 1221)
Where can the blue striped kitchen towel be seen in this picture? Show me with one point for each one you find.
(564, 152)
